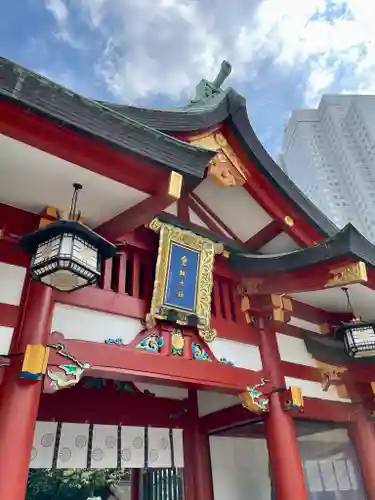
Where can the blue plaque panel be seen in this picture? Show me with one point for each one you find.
(182, 278)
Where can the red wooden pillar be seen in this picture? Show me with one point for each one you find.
(19, 399)
(362, 431)
(197, 463)
(285, 462)
(134, 484)
(363, 436)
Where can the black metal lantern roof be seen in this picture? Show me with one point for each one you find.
(30, 242)
(352, 325)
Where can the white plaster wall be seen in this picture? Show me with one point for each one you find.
(196, 220)
(239, 468)
(172, 209)
(228, 203)
(306, 325)
(79, 323)
(6, 334)
(294, 350)
(11, 283)
(163, 391)
(209, 402)
(243, 355)
(314, 390)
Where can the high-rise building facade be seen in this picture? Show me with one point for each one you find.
(329, 152)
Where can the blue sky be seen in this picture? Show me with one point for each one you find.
(284, 54)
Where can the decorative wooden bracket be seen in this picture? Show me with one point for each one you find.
(279, 306)
(331, 377)
(64, 375)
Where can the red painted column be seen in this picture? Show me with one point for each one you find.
(285, 462)
(362, 430)
(363, 436)
(134, 484)
(19, 399)
(197, 462)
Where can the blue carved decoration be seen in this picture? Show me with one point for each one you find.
(117, 341)
(199, 353)
(226, 361)
(151, 343)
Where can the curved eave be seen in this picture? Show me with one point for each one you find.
(41, 96)
(248, 139)
(230, 106)
(347, 243)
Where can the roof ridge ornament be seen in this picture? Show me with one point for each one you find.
(207, 90)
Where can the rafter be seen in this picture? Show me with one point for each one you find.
(211, 220)
(183, 208)
(264, 236)
(119, 226)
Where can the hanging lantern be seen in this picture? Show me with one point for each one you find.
(67, 255)
(358, 335)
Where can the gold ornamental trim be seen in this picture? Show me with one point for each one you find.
(346, 275)
(226, 169)
(207, 249)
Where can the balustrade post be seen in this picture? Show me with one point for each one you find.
(122, 259)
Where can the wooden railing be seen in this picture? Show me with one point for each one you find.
(127, 282)
(132, 273)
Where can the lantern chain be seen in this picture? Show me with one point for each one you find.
(349, 303)
(73, 205)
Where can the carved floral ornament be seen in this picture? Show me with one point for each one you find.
(346, 275)
(257, 398)
(68, 374)
(225, 169)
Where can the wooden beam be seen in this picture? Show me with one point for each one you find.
(9, 314)
(226, 418)
(314, 409)
(316, 277)
(117, 228)
(211, 220)
(264, 236)
(127, 363)
(183, 209)
(89, 401)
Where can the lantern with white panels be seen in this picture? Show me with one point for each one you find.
(358, 335)
(66, 254)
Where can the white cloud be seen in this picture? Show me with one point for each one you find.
(58, 9)
(165, 46)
